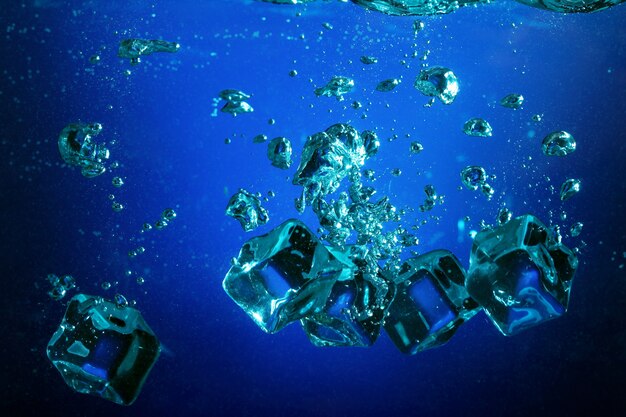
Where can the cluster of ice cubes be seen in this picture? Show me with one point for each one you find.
(519, 274)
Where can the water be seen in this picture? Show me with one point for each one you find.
(167, 140)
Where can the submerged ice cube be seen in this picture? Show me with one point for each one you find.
(430, 303)
(520, 274)
(284, 276)
(354, 310)
(78, 148)
(103, 350)
(438, 82)
(247, 209)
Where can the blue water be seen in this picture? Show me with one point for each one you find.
(172, 152)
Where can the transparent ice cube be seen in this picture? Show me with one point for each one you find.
(354, 311)
(430, 304)
(103, 350)
(284, 276)
(520, 274)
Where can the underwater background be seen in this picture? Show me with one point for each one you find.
(175, 149)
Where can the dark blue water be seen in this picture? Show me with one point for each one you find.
(172, 153)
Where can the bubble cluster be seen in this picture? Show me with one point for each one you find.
(336, 87)
(474, 178)
(135, 252)
(279, 152)
(431, 198)
(78, 148)
(161, 224)
(235, 102)
(439, 82)
(329, 156)
(246, 208)
(117, 206)
(133, 49)
(576, 229)
(60, 285)
(117, 182)
(168, 214)
(504, 216)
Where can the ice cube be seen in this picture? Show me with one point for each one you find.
(520, 274)
(430, 304)
(354, 311)
(284, 276)
(103, 350)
